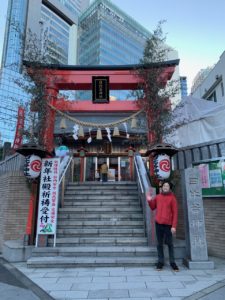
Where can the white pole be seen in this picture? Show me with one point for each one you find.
(119, 170)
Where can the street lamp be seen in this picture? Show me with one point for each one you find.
(33, 154)
(159, 159)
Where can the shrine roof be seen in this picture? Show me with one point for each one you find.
(168, 63)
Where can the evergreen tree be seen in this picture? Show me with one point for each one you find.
(153, 95)
(37, 51)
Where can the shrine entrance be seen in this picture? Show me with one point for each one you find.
(103, 115)
(100, 129)
(120, 168)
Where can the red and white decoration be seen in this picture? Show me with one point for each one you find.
(19, 128)
(32, 167)
(162, 166)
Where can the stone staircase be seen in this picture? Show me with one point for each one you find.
(101, 224)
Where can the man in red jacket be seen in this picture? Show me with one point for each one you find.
(165, 204)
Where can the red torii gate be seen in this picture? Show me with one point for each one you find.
(61, 77)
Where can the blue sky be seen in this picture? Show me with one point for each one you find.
(195, 28)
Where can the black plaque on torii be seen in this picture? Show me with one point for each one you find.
(100, 89)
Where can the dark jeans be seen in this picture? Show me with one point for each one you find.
(104, 177)
(164, 235)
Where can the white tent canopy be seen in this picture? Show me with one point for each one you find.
(198, 121)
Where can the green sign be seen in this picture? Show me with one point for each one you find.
(212, 176)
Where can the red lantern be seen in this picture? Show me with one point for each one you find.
(162, 166)
(32, 167)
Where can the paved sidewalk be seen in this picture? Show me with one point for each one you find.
(129, 283)
(214, 292)
(15, 285)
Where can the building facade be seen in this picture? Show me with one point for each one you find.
(212, 86)
(53, 21)
(183, 86)
(108, 36)
(199, 78)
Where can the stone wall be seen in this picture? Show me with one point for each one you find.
(214, 209)
(214, 212)
(14, 205)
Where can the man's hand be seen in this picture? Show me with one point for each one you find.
(173, 230)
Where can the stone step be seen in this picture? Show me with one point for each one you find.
(94, 251)
(90, 232)
(179, 250)
(100, 241)
(102, 197)
(98, 217)
(104, 204)
(73, 200)
(101, 187)
(124, 203)
(68, 262)
(100, 183)
(100, 209)
(100, 224)
(101, 192)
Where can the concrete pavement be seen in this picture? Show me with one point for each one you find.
(214, 292)
(15, 285)
(129, 283)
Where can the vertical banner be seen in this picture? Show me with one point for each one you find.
(19, 128)
(48, 196)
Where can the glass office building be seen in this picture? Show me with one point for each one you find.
(11, 96)
(75, 6)
(183, 86)
(15, 25)
(58, 32)
(59, 18)
(108, 36)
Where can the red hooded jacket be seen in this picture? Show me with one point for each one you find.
(166, 209)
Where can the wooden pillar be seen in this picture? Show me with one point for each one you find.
(131, 161)
(82, 154)
(31, 218)
(131, 151)
(82, 169)
(48, 130)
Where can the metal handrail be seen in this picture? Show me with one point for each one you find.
(139, 177)
(144, 187)
(14, 162)
(63, 177)
(64, 165)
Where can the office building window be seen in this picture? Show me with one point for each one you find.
(212, 97)
(222, 88)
